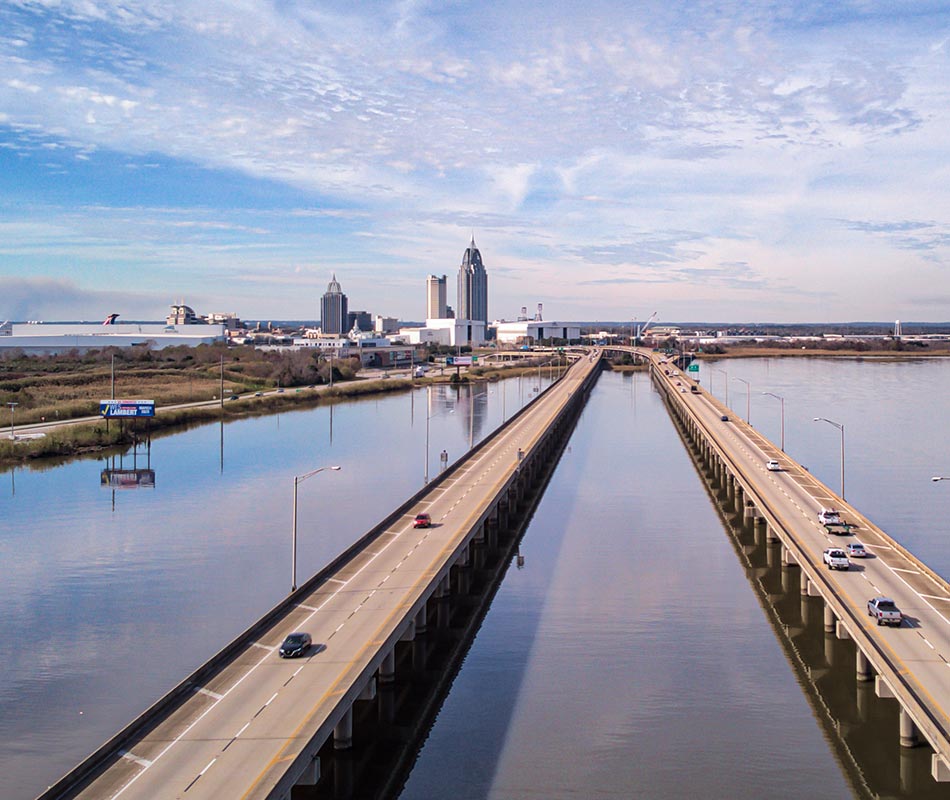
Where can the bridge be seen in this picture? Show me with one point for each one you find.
(250, 724)
(910, 663)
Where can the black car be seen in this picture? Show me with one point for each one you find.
(724, 418)
(295, 645)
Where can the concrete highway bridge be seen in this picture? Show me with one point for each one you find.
(251, 725)
(910, 663)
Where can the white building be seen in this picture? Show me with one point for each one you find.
(448, 332)
(53, 337)
(524, 331)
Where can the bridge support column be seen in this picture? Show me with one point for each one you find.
(421, 619)
(909, 734)
(311, 774)
(759, 526)
(343, 732)
(387, 669)
(409, 634)
(369, 691)
(750, 511)
(479, 536)
(803, 583)
(830, 619)
(829, 649)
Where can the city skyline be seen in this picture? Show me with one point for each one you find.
(765, 161)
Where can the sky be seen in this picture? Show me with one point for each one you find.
(751, 161)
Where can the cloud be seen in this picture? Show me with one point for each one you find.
(634, 141)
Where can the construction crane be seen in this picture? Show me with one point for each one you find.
(643, 329)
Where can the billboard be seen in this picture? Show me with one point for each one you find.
(126, 408)
(461, 361)
(127, 478)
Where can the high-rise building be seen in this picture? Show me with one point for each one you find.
(473, 286)
(362, 320)
(333, 309)
(435, 297)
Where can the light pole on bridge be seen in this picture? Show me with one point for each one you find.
(840, 427)
(779, 397)
(293, 550)
(748, 398)
(716, 369)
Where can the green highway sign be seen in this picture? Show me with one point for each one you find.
(693, 368)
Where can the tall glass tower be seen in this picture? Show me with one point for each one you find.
(333, 308)
(473, 286)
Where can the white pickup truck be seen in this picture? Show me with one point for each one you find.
(885, 611)
(836, 558)
(829, 516)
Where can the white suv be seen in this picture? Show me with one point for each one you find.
(773, 466)
(836, 558)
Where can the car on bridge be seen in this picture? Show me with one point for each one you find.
(724, 417)
(773, 466)
(856, 550)
(296, 644)
(885, 611)
(836, 558)
(829, 516)
(422, 521)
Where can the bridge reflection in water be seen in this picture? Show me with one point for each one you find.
(859, 725)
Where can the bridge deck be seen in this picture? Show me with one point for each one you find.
(260, 716)
(913, 660)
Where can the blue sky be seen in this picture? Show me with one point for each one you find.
(733, 161)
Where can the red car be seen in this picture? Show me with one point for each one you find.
(422, 521)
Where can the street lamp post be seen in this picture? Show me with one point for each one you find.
(716, 369)
(12, 409)
(748, 398)
(428, 402)
(940, 478)
(840, 427)
(779, 397)
(293, 549)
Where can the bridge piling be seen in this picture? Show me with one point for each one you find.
(343, 732)
(909, 736)
(387, 668)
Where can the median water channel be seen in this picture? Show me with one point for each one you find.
(625, 653)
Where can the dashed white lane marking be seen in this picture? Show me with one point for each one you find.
(246, 726)
(215, 695)
(207, 767)
(268, 648)
(132, 757)
(925, 641)
(306, 607)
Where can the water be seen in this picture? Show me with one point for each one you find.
(629, 657)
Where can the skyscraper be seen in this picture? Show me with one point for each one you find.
(333, 309)
(435, 297)
(473, 286)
